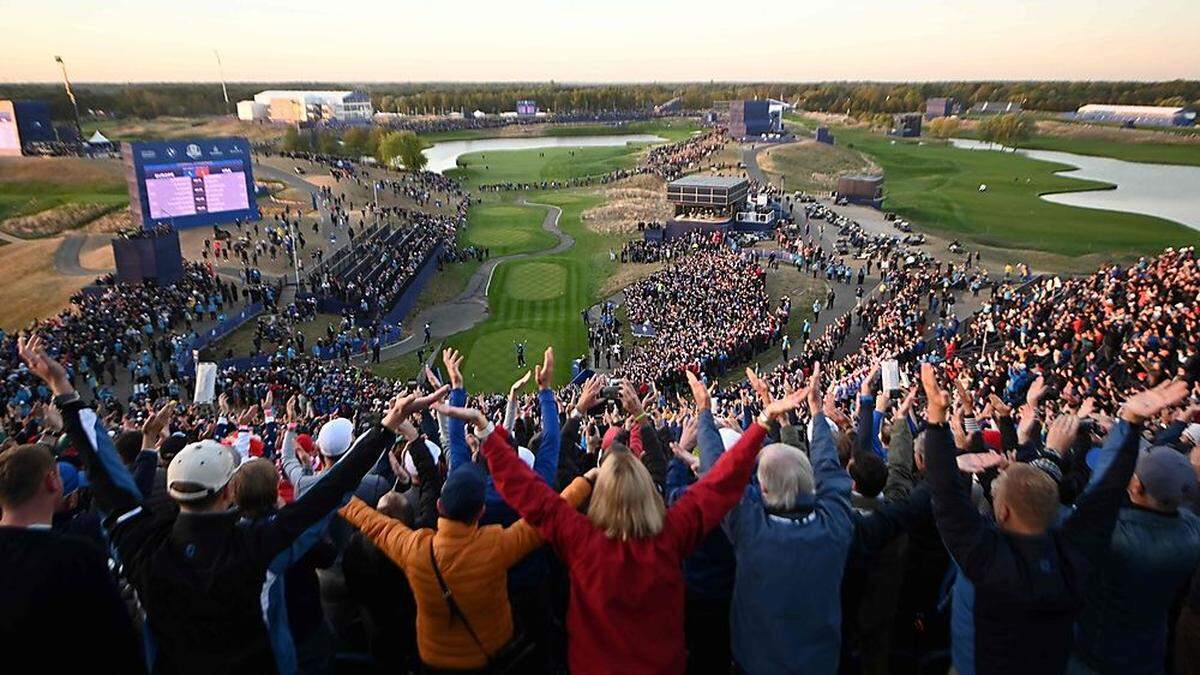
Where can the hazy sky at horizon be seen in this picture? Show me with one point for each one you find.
(616, 40)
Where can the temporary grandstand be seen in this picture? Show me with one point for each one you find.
(1142, 115)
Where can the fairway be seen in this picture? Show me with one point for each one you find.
(506, 229)
(536, 281)
(937, 186)
(543, 164)
(538, 300)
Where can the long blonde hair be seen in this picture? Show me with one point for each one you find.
(625, 503)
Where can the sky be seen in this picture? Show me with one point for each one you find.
(599, 41)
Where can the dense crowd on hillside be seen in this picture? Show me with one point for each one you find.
(709, 312)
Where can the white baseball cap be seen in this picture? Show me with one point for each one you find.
(434, 450)
(335, 436)
(200, 470)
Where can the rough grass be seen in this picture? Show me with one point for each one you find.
(813, 166)
(165, 128)
(47, 195)
(30, 288)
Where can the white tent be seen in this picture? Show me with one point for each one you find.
(98, 139)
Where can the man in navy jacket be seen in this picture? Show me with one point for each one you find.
(1021, 580)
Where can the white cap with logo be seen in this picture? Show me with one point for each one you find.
(200, 470)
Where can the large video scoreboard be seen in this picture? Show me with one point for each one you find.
(188, 183)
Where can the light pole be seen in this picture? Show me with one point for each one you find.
(70, 95)
(221, 73)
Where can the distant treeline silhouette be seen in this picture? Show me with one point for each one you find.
(150, 100)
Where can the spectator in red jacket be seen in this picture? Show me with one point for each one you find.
(625, 556)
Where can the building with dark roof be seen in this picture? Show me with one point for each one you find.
(941, 107)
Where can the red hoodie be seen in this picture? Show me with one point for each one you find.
(626, 608)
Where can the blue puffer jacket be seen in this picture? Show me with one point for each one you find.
(1123, 627)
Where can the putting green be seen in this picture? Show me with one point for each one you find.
(536, 281)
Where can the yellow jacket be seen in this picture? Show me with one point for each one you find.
(474, 562)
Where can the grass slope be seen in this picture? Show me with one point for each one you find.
(809, 165)
(31, 185)
(1153, 153)
(938, 186)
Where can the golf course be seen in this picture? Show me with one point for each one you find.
(938, 187)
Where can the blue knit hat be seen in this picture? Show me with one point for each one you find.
(462, 493)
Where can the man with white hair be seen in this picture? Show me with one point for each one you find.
(791, 533)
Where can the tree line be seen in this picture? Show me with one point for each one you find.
(403, 147)
(855, 98)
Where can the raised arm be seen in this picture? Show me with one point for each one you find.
(708, 439)
(116, 493)
(460, 454)
(831, 482)
(392, 536)
(1096, 509)
(705, 503)
(336, 485)
(545, 464)
(521, 488)
(968, 537)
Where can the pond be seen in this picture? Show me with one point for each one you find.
(443, 156)
(1163, 190)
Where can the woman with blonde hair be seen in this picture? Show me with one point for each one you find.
(625, 556)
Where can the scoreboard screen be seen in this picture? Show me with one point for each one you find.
(190, 183)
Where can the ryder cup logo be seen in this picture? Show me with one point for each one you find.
(192, 150)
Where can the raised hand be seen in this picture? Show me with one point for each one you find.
(453, 361)
(1036, 391)
(906, 405)
(937, 399)
(155, 423)
(685, 456)
(248, 416)
(519, 384)
(469, 415)
(999, 407)
(404, 406)
(33, 353)
(978, 462)
(867, 385)
(782, 406)
(759, 387)
(589, 395)
(630, 400)
(432, 377)
(544, 372)
(699, 392)
(1146, 404)
(814, 390)
(1061, 435)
